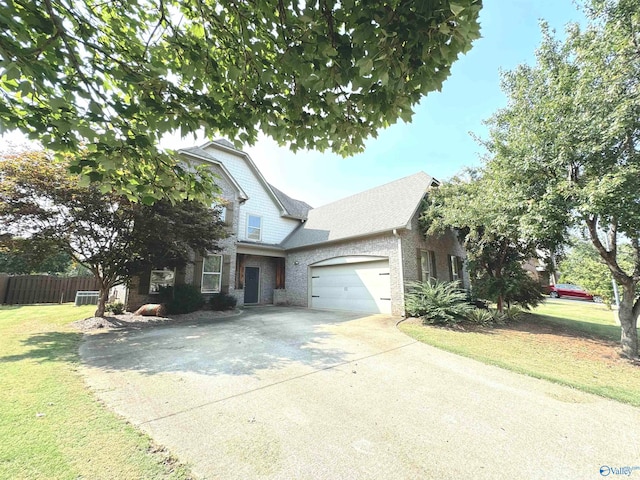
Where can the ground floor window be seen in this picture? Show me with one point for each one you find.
(455, 269)
(211, 274)
(428, 266)
(161, 278)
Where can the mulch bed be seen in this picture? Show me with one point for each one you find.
(129, 320)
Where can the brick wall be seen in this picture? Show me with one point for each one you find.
(297, 276)
(229, 194)
(443, 246)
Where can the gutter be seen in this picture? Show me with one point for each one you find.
(341, 239)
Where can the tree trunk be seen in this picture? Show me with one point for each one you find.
(628, 323)
(499, 303)
(103, 296)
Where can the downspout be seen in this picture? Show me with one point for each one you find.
(401, 269)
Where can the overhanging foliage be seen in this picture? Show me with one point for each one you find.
(114, 77)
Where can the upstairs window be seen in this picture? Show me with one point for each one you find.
(254, 227)
(211, 274)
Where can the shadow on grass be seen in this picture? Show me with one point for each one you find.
(10, 307)
(48, 347)
(535, 323)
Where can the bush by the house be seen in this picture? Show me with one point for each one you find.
(439, 303)
(480, 316)
(181, 298)
(223, 301)
(514, 313)
(117, 308)
(491, 318)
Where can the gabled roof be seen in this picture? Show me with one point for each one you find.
(201, 154)
(381, 209)
(296, 208)
(225, 142)
(289, 207)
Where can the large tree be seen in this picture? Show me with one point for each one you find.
(42, 204)
(21, 257)
(568, 142)
(115, 77)
(480, 209)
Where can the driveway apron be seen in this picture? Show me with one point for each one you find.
(288, 393)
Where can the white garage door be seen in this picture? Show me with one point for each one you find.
(360, 287)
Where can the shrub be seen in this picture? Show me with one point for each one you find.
(117, 308)
(181, 298)
(480, 316)
(440, 303)
(499, 318)
(223, 301)
(513, 313)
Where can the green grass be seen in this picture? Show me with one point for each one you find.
(566, 343)
(592, 319)
(51, 426)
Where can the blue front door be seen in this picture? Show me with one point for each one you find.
(251, 285)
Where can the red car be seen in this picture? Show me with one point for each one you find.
(571, 291)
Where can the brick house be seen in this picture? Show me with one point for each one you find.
(353, 254)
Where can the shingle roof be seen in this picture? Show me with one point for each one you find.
(380, 209)
(296, 208)
(225, 142)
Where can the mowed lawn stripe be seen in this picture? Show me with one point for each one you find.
(574, 345)
(50, 424)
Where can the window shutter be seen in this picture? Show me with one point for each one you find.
(280, 273)
(180, 276)
(226, 273)
(460, 275)
(449, 263)
(240, 271)
(419, 257)
(144, 279)
(434, 270)
(197, 271)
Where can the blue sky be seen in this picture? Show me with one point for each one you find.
(437, 141)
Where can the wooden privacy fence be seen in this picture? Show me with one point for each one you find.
(25, 289)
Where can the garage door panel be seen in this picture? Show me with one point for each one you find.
(361, 287)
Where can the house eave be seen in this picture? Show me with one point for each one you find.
(347, 239)
(261, 249)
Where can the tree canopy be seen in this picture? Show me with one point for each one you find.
(114, 77)
(482, 211)
(43, 206)
(19, 257)
(567, 144)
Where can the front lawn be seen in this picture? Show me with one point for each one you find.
(572, 343)
(51, 426)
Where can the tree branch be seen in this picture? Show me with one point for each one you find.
(610, 260)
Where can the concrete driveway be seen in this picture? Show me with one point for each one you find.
(286, 393)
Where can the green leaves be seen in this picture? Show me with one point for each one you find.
(80, 73)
